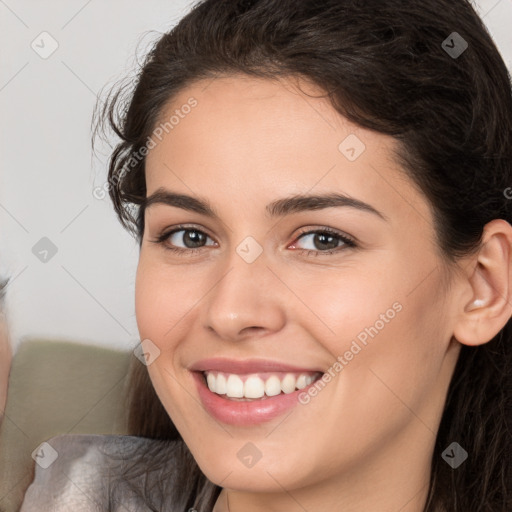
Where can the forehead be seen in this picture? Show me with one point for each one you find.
(261, 138)
(242, 109)
(245, 116)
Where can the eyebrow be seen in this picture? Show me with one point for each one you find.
(278, 208)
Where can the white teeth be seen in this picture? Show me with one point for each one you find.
(288, 384)
(234, 387)
(301, 382)
(220, 384)
(254, 386)
(210, 379)
(273, 386)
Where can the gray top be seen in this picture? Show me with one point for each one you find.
(95, 473)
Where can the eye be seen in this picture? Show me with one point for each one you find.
(192, 239)
(324, 241)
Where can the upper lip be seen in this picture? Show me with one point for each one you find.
(246, 366)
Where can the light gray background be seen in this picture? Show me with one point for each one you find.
(85, 292)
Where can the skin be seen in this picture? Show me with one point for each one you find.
(5, 362)
(364, 443)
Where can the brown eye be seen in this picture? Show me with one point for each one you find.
(324, 241)
(183, 240)
(191, 238)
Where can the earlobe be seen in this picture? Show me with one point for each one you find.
(490, 280)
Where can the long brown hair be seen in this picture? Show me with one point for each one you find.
(383, 66)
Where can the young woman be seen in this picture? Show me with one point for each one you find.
(321, 192)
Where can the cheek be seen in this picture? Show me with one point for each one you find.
(399, 363)
(162, 301)
(163, 298)
(347, 303)
(390, 333)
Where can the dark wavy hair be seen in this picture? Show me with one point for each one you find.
(383, 66)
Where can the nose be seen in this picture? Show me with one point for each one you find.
(246, 301)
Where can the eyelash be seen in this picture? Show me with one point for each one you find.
(349, 242)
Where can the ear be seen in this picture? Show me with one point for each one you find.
(489, 286)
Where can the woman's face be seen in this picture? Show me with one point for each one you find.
(254, 291)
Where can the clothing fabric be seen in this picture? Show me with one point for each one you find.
(93, 473)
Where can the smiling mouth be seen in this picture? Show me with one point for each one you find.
(257, 386)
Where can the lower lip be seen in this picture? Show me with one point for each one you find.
(244, 413)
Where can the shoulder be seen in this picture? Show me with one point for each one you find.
(79, 472)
